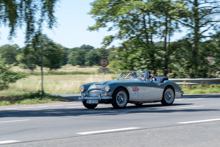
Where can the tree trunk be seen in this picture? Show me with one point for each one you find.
(165, 71)
(195, 40)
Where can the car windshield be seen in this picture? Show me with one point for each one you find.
(132, 75)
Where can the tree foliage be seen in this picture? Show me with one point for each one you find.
(28, 13)
(139, 23)
(9, 53)
(87, 55)
(31, 54)
(201, 19)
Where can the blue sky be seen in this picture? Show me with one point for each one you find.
(72, 30)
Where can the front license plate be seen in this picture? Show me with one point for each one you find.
(92, 101)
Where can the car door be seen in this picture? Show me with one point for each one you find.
(153, 91)
(136, 92)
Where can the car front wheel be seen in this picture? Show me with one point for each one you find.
(89, 106)
(120, 98)
(168, 96)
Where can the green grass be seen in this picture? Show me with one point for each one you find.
(31, 98)
(201, 89)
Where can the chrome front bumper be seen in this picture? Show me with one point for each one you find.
(95, 98)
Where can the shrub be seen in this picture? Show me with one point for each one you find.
(7, 76)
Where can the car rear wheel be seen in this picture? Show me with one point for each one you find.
(120, 98)
(168, 96)
(89, 106)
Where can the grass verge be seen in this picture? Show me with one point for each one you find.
(201, 89)
(31, 98)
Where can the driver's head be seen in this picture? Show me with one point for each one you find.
(133, 74)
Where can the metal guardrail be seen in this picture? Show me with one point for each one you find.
(196, 81)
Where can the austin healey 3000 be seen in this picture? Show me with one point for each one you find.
(135, 87)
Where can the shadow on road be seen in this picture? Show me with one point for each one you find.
(148, 108)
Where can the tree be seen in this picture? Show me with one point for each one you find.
(77, 57)
(87, 47)
(82, 56)
(29, 13)
(9, 53)
(31, 54)
(92, 58)
(137, 24)
(66, 52)
(211, 53)
(53, 55)
(165, 15)
(29, 58)
(112, 54)
(200, 19)
(180, 58)
(103, 53)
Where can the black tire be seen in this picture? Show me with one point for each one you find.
(168, 96)
(120, 98)
(89, 106)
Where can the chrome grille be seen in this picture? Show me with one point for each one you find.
(95, 92)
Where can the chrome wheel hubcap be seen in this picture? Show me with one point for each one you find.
(121, 98)
(169, 95)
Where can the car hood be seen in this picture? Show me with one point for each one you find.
(102, 84)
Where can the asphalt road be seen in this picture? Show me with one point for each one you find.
(192, 121)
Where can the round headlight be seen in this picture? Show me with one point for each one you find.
(107, 88)
(81, 88)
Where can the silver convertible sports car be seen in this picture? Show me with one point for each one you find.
(136, 87)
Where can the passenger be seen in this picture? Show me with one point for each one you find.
(151, 78)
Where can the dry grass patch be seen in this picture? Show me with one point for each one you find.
(54, 84)
(66, 68)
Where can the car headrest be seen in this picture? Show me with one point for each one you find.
(161, 79)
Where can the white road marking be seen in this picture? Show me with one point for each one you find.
(57, 105)
(28, 107)
(11, 108)
(9, 141)
(199, 121)
(41, 106)
(9, 121)
(107, 131)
